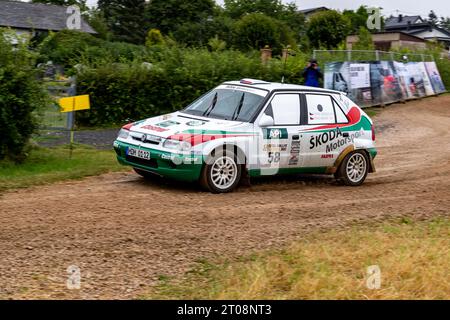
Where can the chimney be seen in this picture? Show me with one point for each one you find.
(409, 25)
(400, 18)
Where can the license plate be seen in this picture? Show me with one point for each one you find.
(137, 153)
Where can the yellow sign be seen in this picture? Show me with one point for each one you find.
(75, 103)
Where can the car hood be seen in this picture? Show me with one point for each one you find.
(179, 123)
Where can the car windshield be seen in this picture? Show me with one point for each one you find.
(238, 104)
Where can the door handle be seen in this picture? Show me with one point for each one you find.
(345, 135)
(296, 137)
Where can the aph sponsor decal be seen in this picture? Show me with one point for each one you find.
(327, 156)
(275, 133)
(154, 128)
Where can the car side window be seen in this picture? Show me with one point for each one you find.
(320, 109)
(340, 115)
(285, 109)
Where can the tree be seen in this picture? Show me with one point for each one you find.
(365, 41)
(97, 21)
(445, 23)
(169, 15)
(328, 29)
(125, 19)
(289, 18)
(237, 8)
(433, 18)
(256, 30)
(357, 18)
(293, 18)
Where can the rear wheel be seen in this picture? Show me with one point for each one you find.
(222, 173)
(354, 169)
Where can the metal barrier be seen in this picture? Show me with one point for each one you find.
(52, 117)
(369, 55)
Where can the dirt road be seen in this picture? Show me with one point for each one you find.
(124, 233)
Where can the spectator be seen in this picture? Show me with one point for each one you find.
(312, 74)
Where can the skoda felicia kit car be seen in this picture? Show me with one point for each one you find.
(252, 128)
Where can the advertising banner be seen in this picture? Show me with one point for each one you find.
(415, 80)
(435, 77)
(337, 77)
(402, 76)
(371, 83)
(360, 88)
(429, 91)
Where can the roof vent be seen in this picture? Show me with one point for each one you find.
(253, 81)
(400, 18)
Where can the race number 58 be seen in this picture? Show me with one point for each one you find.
(274, 157)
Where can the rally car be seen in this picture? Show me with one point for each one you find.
(249, 128)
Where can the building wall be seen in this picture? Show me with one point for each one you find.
(22, 33)
(408, 44)
(388, 41)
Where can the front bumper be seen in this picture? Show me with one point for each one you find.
(166, 164)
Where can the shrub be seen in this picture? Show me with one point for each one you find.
(21, 96)
(176, 78)
(154, 37)
(69, 47)
(443, 65)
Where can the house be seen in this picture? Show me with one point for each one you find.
(36, 18)
(418, 27)
(310, 12)
(386, 41)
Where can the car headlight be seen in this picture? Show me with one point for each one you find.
(177, 145)
(123, 133)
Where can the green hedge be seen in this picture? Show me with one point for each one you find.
(177, 76)
(21, 95)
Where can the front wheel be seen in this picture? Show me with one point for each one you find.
(354, 169)
(222, 173)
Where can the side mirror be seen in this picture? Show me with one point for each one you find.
(266, 121)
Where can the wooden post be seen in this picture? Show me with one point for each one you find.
(266, 54)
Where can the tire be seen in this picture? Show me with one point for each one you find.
(145, 174)
(221, 173)
(354, 169)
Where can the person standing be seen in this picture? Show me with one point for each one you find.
(312, 74)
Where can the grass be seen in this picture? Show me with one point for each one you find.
(414, 258)
(48, 165)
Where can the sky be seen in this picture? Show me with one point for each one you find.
(405, 7)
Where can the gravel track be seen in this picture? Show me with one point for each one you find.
(125, 232)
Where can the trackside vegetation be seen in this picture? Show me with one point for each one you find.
(48, 165)
(412, 256)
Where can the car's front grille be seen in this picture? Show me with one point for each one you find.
(155, 142)
(152, 163)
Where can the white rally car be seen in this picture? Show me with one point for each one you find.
(250, 128)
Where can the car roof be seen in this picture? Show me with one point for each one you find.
(272, 86)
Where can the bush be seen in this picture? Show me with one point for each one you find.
(69, 47)
(444, 69)
(176, 78)
(21, 96)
